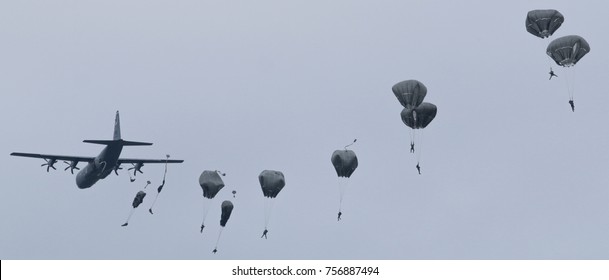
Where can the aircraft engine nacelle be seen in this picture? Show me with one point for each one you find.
(137, 167)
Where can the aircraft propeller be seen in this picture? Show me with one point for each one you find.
(50, 163)
(117, 167)
(71, 165)
(136, 168)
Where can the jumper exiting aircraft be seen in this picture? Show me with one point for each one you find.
(101, 166)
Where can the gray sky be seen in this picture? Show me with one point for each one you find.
(509, 172)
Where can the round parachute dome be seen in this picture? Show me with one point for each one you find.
(543, 23)
(345, 162)
(227, 209)
(410, 93)
(211, 183)
(568, 50)
(271, 182)
(420, 116)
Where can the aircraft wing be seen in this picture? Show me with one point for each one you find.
(55, 157)
(138, 160)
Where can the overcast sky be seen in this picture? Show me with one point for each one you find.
(508, 171)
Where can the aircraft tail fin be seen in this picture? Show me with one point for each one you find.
(117, 140)
(117, 128)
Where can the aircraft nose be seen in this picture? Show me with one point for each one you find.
(82, 182)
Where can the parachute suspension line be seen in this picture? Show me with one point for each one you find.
(154, 202)
(131, 179)
(414, 133)
(128, 217)
(414, 138)
(342, 185)
(544, 42)
(206, 204)
(218, 240)
(136, 202)
(567, 83)
(570, 80)
(160, 188)
(419, 148)
(550, 62)
(268, 209)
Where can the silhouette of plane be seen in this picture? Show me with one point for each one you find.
(101, 166)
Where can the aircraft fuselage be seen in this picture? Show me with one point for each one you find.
(101, 167)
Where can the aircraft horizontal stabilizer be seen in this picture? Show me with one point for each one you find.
(133, 143)
(115, 142)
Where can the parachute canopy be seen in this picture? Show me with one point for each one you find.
(420, 116)
(271, 182)
(211, 183)
(139, 198)
(345, 162)
(568, 50)
(543, 23)
(227, 209)
(410, 93)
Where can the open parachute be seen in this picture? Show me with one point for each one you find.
(410, 93)
(271, 182)
(211, 183)
(543, 23)
(419, 117)
(227, 209)
(416, 113)
(567, 51)
(345, 163)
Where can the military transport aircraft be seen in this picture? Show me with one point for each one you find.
(101, 166)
